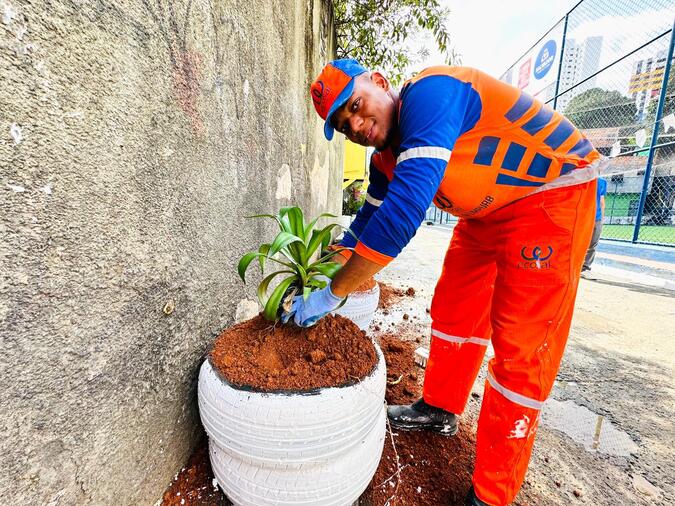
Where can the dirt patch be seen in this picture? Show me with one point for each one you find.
(267, 357)
(403, 376)
(193, 485)
(390, 295)
(419, 468)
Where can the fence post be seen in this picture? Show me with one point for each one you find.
(611, 211)
(560, 64)
(655, 134)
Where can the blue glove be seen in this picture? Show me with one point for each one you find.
(306, 313)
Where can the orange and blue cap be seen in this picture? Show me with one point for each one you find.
(333, 88)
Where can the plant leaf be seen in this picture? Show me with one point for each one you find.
(305, 292)
(318, 238)
(272, 306)
(297, 222)
(327, 268)
(262, 287)
(280, 241)
(311, 225)
(275, 218)
(245, 262)
(264, 251)
(328, 256)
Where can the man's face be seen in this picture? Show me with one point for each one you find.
(368, 118)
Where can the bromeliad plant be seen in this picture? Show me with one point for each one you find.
(298, 247)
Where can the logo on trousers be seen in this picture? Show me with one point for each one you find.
(535, 260)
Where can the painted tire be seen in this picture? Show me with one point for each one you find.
(361, 306)
(319, 448)
(289, 430)
(335, 482)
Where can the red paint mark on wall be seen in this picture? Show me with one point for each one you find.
(186, 83)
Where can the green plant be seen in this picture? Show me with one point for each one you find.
(299, 248)
(353, 199)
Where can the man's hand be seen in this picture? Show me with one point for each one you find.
(343, 255)
(306, 313)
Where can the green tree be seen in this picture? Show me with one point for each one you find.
(377, 33)
(598, 108)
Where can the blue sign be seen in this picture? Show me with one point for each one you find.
(545, 59)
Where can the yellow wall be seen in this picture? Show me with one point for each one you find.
(354, 164)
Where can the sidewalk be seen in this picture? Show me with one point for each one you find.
(637, 263)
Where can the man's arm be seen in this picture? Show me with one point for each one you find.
(432, 116)
(352, 275)
(377, 190)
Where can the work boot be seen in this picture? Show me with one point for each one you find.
(472, 500)
(422, 416)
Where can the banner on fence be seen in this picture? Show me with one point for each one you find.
(537, 71)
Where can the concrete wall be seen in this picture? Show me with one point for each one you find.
(134, 137)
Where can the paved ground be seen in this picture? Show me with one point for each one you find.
(607, 436)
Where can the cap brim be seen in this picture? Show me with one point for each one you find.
(341, 99)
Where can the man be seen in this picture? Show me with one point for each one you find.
(597, 228)
(522, 180)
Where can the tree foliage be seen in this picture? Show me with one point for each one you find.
(377, 33)
(598, 108)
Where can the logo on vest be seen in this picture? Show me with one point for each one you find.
(535, 260)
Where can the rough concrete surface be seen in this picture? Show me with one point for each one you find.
(619, 363)
(135, 135)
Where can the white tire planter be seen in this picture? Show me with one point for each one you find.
(312, 448)
(361, 306)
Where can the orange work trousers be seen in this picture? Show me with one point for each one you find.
(510, 277)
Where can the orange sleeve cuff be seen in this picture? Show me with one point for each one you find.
(372, 255)
(347, 253)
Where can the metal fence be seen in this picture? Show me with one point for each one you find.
(604, 65)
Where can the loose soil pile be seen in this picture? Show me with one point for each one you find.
(419, 468)
(266, 357)
(390, 295)
(194, 486)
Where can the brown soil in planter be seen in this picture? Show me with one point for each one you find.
(267, 357)
(193, 486)
(440, 467)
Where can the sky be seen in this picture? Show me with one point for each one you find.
(492, 34)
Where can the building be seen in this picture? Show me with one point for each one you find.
(580, 60)
(645, 82)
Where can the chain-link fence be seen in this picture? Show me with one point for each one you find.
(604, 65)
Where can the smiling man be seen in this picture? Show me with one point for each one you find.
(522, 180)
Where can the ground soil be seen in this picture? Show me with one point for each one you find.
(390, 295)
(417, 468)
(194, 485)
(267, 357)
